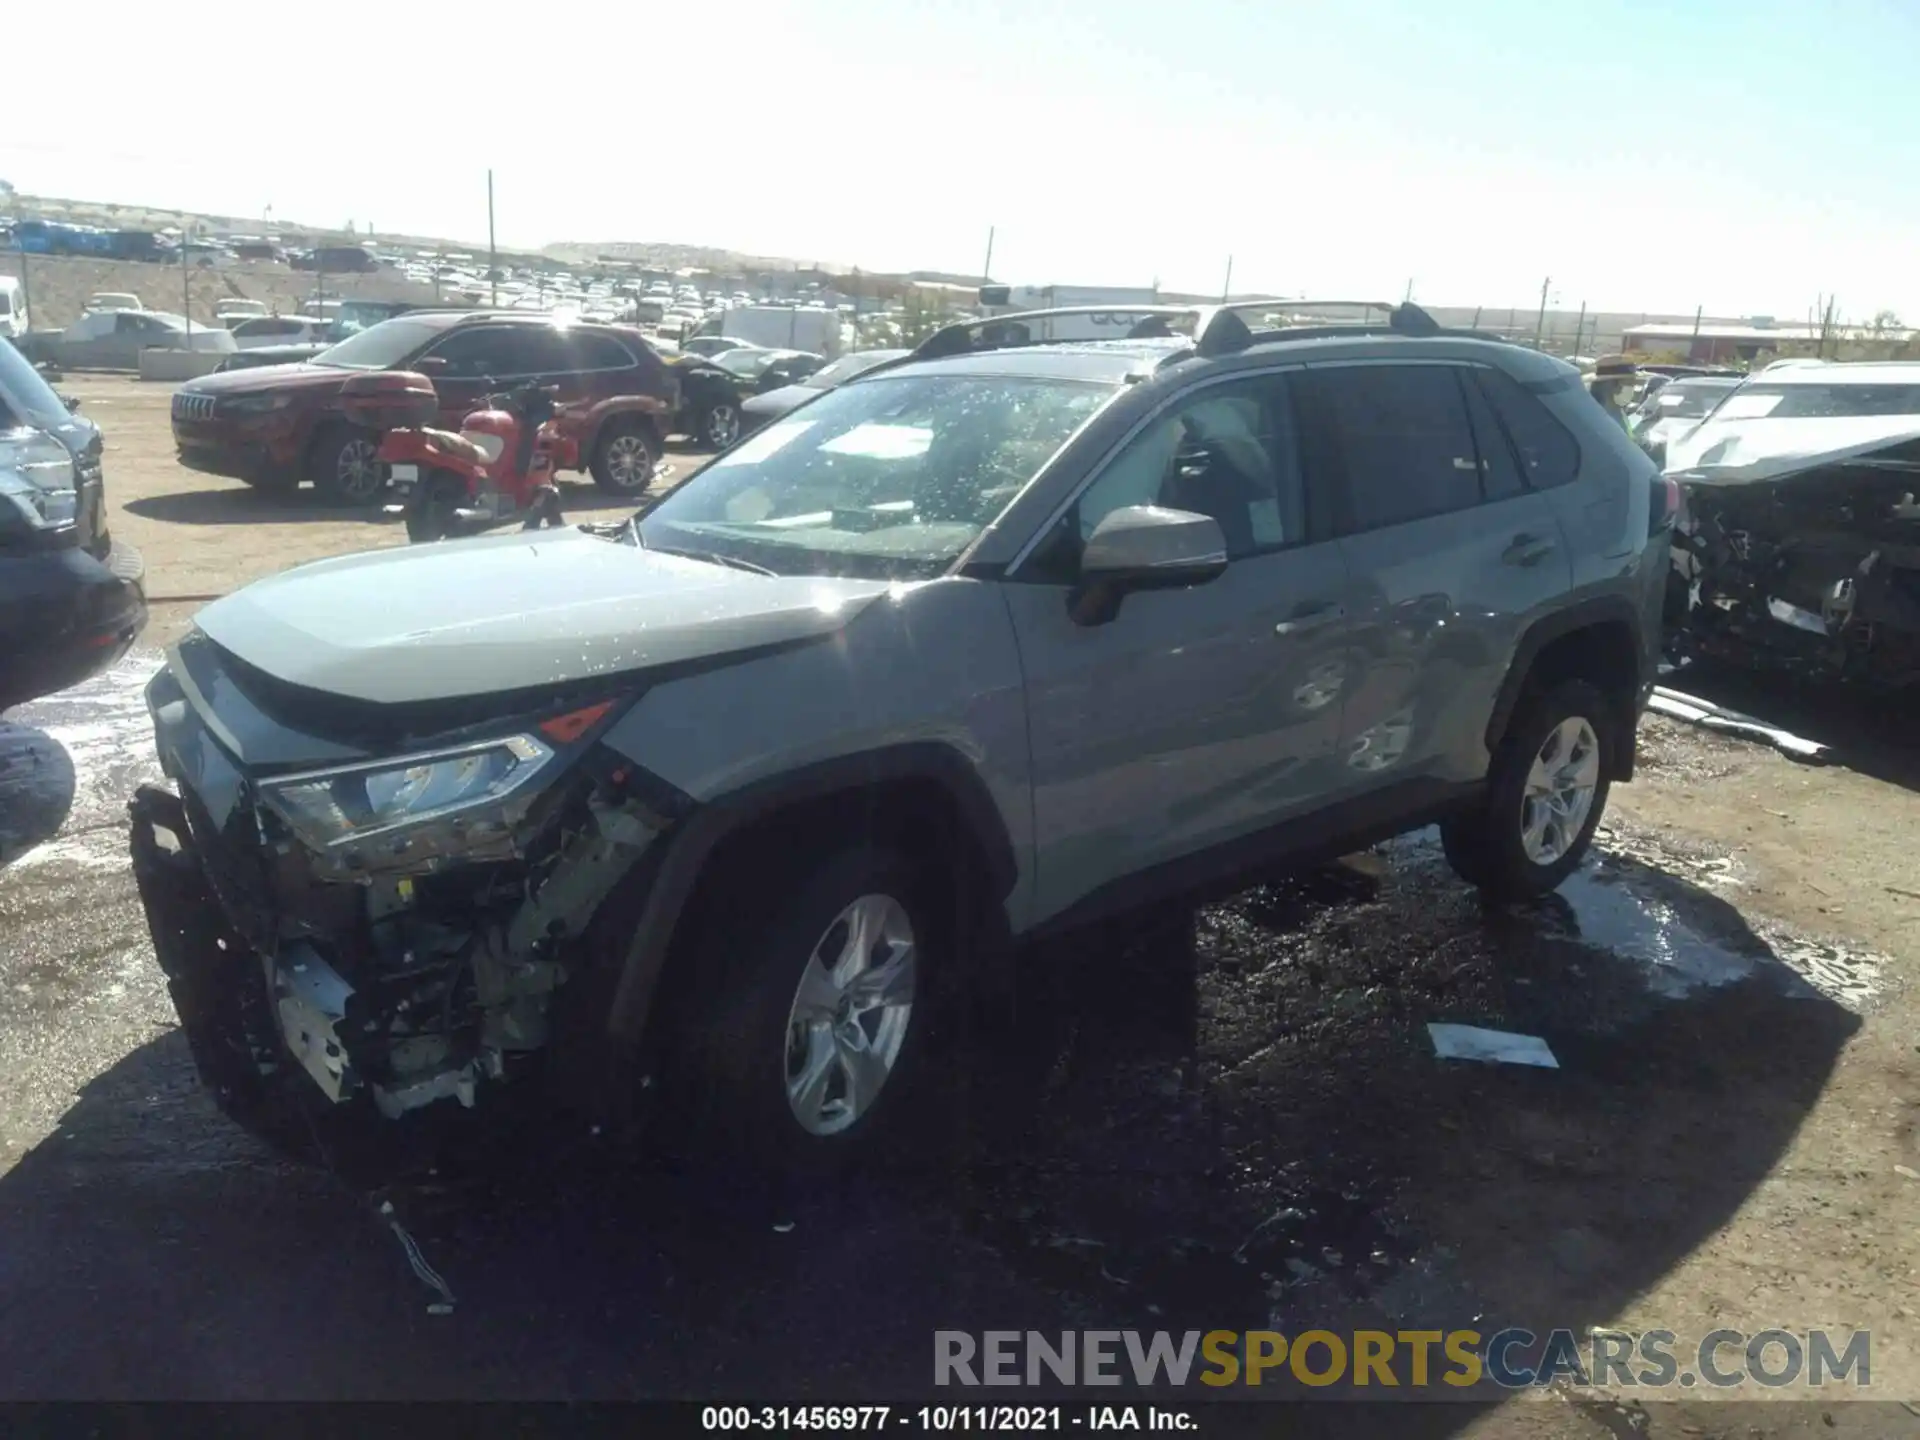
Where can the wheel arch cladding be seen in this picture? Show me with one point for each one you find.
(613, 421)
(882, 794)
(1593, 641)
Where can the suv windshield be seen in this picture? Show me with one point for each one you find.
(1760, 400)
(378, 347)
(747, 364)
(888, 479)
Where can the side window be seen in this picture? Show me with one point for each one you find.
(1549, 455)
(474, 353)
(588, 351)
(1399, 440)
(1499, 471)
(1229, 452)
(127, 323)
(533, 350)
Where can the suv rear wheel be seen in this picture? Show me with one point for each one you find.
(807, 1026)
(624, 457)
(1546, 790)
(343, 468)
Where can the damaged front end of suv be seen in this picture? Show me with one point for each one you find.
(390, 926)
(1806, 561)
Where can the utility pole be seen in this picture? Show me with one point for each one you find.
(493, 255)
(1407, 299)
(1540, 325)
(1226, 286)
(1693, 344)
(1580, 327)
(186, 283)
(986, 268)
(1476, 318)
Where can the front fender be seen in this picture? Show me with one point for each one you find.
(679, 866)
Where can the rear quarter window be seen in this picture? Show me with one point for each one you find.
(1548, 453)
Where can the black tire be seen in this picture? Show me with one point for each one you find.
(341, 465)
(1486, 846)
(727, 1109)
(625, 457)
(718, 424)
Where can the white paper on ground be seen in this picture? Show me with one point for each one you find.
(1470, 1042)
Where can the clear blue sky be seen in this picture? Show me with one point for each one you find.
(1745, 155)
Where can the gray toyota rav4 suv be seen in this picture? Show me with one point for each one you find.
(727, 802)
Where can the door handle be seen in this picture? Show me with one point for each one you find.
(1527, 550)
(1309, 618)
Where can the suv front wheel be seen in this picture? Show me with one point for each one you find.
(343, 466)
(808, 1025)
(1546, 790)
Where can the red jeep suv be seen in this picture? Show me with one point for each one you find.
(277, 425)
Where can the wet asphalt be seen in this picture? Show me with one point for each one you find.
(1231, 1119)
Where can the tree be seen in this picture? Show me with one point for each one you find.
(1883, 321)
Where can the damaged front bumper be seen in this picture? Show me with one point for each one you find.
(415, 974)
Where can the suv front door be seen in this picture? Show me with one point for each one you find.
(1450, 555)
(1194, 718)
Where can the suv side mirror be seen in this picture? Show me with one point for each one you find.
(1144, 547)
(72, 402)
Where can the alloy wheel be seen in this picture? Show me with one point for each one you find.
(1560, 788)
(357, 475)
(723, 426)
(629, 462)
(850, 1015)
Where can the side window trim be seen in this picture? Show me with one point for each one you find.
(1038, 539)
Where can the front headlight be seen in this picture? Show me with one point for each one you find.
(37, 479)
(338, 812)
(255, 404)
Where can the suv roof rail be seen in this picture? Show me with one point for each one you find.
(959, 337)
(1217, 329)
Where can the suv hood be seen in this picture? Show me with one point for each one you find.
(1747, 451)
(277, 377)
(510, 612)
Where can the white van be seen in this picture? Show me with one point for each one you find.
(13, 308)
(781, 327)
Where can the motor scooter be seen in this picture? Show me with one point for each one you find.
(498, 467)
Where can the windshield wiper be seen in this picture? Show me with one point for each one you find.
(713, 557)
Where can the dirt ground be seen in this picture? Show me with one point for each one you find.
(1255, 1131)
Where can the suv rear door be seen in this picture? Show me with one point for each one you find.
(483, 359)
(1193, 718)
(597, 366)
(1450, 555)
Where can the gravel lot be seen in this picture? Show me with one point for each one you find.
(1229, 1120)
